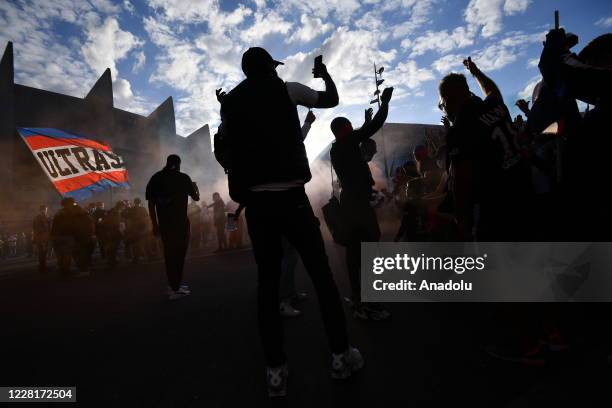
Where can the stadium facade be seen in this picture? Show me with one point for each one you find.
(142, 141)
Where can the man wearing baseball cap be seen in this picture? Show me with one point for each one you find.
(267, 171)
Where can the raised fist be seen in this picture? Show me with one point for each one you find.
(555, 39)
(471, 66)
(523, 105)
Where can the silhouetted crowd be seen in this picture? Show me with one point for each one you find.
(488, 178)
(77, 237)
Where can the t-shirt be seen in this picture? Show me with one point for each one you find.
(300, 95)
(484, 133)
(169, 191)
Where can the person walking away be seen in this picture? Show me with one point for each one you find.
(167, 194)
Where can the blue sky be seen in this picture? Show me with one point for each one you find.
(187, 48)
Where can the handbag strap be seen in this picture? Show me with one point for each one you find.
(331, 173)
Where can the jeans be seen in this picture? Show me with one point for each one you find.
(270, 216)
(287, 282)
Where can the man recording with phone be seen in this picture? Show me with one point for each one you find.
(267, 169)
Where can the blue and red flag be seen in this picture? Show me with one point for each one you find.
(77, 166)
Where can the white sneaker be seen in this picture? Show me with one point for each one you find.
(182, 289)
(276, 379)
(179, 294)
(345, 364)
(287, 310)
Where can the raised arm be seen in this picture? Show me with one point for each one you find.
(487, 85)
(328, 98)
(523, 105)
(370, 128)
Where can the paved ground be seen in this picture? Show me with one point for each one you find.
(117, 338)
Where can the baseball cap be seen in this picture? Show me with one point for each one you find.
(256, 60)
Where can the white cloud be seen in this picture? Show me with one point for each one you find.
(485, 13)
(161, 34)
(408, 74)
(106, 44)
(122, 90)
(140, 60)
(41, 58)
(527, 92)
(184, 10)
(125, 99)
(371, 20)
(310, 28)
(349, 55)
(342, 10)
(506, 51)
(439, 41)
(494, 57)
(105, 6)
(259, 3)
(604, 22)
(179, 67)
(420, 13)
(263, 25)
(447, 63)
(488, 14)
(516, 6)
(185, 66)
(128, 6)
